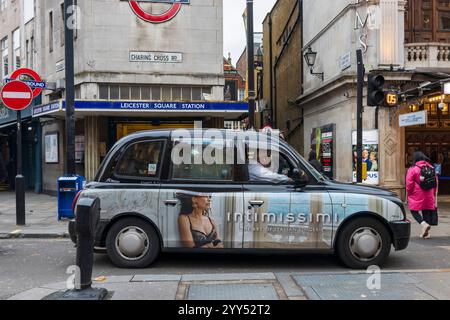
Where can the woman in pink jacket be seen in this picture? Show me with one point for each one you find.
(420, 199)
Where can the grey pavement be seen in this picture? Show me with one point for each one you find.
(35, 268)
(423, 285)
(40, 215)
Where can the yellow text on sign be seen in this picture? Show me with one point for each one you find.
(391, 99)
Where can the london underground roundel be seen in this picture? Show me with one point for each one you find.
(160, 17)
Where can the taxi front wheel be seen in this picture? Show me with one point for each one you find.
(132, 243)
(363, 243)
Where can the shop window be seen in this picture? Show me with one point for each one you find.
(114, 92)
(433, 109)
(136, 93)
(176, 93)
(156, 93)
(196, 94)
(166, 93)
(141, 160)
(146, 93)
(103, 91)
(444, 3)
(125, 92)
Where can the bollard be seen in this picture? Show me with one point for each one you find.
(87, 218)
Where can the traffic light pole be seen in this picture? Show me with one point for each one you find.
(70, 90)
(359, 115)
(250, 65)
(20, 180)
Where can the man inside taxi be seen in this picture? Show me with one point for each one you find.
(260, 171)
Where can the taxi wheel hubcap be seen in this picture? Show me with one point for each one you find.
(365, 244)
(132, 243)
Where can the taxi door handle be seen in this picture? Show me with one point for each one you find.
(171, 203)
(256, 203)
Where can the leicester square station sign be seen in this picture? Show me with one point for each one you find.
(175, 6)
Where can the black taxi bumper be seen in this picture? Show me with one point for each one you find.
(401, 231)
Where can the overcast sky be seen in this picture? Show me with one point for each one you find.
(234, 29)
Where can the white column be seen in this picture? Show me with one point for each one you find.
(389, 34)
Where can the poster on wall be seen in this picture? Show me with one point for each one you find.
(322, 142)
(370, 156)
(51, 148)
(79, 149)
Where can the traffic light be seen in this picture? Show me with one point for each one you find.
(375, 93)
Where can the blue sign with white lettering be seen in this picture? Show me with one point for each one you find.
(156, 106)
(32, 84)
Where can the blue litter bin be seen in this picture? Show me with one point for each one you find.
(68, 187)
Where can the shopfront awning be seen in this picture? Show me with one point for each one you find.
(227, 110)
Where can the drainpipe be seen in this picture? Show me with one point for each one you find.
(300, 14)
(271, 73)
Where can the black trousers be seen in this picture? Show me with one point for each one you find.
(420, 217)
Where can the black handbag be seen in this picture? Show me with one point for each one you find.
(431, 217)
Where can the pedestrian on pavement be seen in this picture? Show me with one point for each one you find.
(421, 186)
(314, 162)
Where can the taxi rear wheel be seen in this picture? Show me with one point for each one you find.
(363, 242)
(132, 243)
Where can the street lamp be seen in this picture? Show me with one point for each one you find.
(310, 58)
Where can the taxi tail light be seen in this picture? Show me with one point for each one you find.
(74, 202)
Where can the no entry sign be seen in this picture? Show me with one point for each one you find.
(16, 95)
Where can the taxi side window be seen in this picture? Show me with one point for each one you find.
(196, 164)
(140, 160)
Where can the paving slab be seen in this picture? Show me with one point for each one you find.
(33, 294)
(141, 290)
(229, 277)
(155, 278)
(232, 292)
(289, 285)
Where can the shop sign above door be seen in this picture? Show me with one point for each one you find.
(157, 17)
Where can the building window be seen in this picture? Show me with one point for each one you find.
(196, 94)
(63, 40)
(124, 92)
(186, 94)
(28, 10)
(176, 93)
(4, 48)
(146, 93)
(50, 31)
(27, 48)
(166, 94)
(78, 92)
(156, 93)
(136, 93)
(103, 92)
(114, 92)
(32, 53)
(152, 93)
(444, 20)
(16, 49)
(3, 4)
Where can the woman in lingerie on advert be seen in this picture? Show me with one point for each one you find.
(197, 228)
